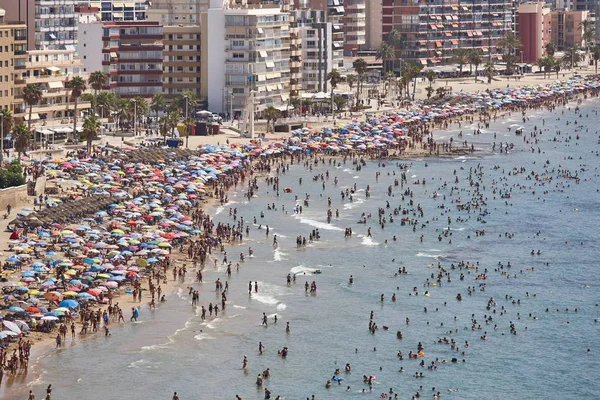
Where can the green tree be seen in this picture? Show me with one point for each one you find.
(475, 59)
(430, 75)
(386, 53)
(571, 58)
(190, 98)
(460, 57)
(91, 126)
(489, 71)
(441, 91)
(158, 104)
(271, 114)
(509, 44)
(351, 80)
(596, 56)
(430, 91)
(588, 33)
(360, 67)
(556, 67)
(340, 103)
(334, 79)
(550, 49)
(32, 94)
(22, 136)
(6, 124)
(97, 80)
(107, 102)
(540, 63)
(77, 86)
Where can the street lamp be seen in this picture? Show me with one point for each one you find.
(102, 118)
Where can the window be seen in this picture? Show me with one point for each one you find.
(238, 55)
(238, 90)
(85, 57)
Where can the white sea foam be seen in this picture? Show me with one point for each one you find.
(143, 363)
(428, 255)
(203, 336)
(368, 241)
(281, 307)
(317, 224)
(301, 269)
(219, 210)
(241, 307)
(279, 255)
(353, 204)
(265, 299)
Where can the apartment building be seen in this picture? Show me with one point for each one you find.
(593, 9)
(13, 53)
(181, 60)
(355, 18)
(247, 57)
(51, 69)
(335, 12)
(182, 56)
(51, 23)
(533, 33)
(431, 30)
(317, 49)
(90, 30)
(177, 12)
(564, 28)
(117, 10)
(374, 31)
(133, 57)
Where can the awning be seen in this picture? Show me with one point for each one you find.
(448, 17)
(53, 69)
(448, 33)
(259, 30)
(454, 41)
(339, 9)
(455, 8)
(422, 42)
(270, 64)
(484, 49)
(465, 8)
(336, 27)
(34, 116)
(433, 26)
(52, 36)
(129, 5)
(261, 77)
(117, 15)
(273, 75)
(282, 108)
(438, 44)
(70, 47)
(479, 33)
(455, 25)
(337, 45)
(285, 27)
(55, 85)
(45, 132)
(469, 33)
(263, 54)
(423, 61)
(285, 97)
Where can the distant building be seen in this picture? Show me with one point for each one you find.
(247, 54)
(431, 31)
(117, 10)
(13, 54)
(89, 39)
(51, 69)
(182, 55)
(532, 31)
(133, 57)
(564, 28)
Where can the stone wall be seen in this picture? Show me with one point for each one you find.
(15, 196)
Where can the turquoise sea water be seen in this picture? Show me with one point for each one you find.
(171, 349)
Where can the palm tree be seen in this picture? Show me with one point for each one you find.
(360, 67)
(571, 57)
(158, 104)
(474, 57)
(541, 63)
(556, 67)
(91, 126)
(509, 44)
(549, 63)
(350, 80)
(21, 135)
(6, 124)
(123, 112)
(550, 49)
(140, 107)
(460, 57)
(596, 56)
(588, 33)
(334, 79)
(188, 98)
(429, 91)
(430, 75)
(32, 94)
(107, 102)
(394, 39)
(271, 114)
(385, 52)
(97, 81)
(489, 71)
(77, 86)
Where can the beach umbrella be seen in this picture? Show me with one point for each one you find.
(53, 296)
(15, 308)
(11, 326)
(5, 334)
(68, 304)
(50, 318)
